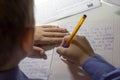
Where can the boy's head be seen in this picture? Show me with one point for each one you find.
(16, 34)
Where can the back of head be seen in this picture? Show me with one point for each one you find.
(15, 16)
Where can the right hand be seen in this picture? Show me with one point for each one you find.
(78, 51)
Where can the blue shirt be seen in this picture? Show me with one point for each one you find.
(95, 66)
(99, 69)
(13, 74)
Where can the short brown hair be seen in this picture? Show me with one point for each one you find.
(15, 16)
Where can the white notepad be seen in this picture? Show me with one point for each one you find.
(37, 68)
(50, 10)
(116, 2)
(104, 37)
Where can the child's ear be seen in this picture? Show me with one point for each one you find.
(27, 39)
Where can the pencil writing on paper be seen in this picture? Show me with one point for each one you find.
(75, 31)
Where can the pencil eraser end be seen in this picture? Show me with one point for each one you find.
(85, 16)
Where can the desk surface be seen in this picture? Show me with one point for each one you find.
(62, 72)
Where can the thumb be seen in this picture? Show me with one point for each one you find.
(39, 50)
(61, 50)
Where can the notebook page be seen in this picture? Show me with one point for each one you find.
(36, 68)
(103, 36)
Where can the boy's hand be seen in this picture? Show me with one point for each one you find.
(78, 51)
(47, 35)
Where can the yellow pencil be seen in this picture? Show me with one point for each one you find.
(75, 31)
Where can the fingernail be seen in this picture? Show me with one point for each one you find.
(42, 52)
(59, 51)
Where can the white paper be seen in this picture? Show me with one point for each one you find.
(103, 36)
(50, 10)
(62, 71)
(116, 2)
(35, 68)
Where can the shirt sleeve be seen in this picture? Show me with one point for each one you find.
(13, 74)
(99, 69)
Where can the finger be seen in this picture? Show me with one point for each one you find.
(48, 40)
(55, 30)
(64, 53)
(54, 34)
(64, 60)
(39, 50)
(67, 61)
(64, 40)
(61, 51)
(50, 26)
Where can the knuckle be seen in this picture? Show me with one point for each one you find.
(82, 37)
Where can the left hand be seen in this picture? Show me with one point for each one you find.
(47, 35)
(37, 53)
